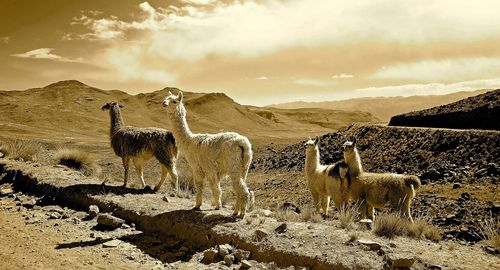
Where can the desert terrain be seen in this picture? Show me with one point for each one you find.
(459, 170)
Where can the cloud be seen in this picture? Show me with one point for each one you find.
(46, 53)
(250, 28)
(262, 78)
(342, 76)
(5, 39)
(442, 70)
(311, 82)
(427, 89)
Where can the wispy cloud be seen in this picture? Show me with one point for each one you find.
(46, 53)
(312, 82)
(262, 78)
(342, 76)
(442, 70)
(5, 39)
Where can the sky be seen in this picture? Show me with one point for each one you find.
(257, 51)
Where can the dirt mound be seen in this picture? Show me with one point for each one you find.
(479, 112)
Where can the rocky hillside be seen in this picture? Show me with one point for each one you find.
(70, 110)
(479, 112)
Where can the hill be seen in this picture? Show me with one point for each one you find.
(69, 110)
(478, 112)
(384, 107)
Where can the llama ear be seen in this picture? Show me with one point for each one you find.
(180, 96)
(170, 93)
(105, 107)
(353, 141)
(316, 140)
(121, 106)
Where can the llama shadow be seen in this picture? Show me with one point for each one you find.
(102, 189)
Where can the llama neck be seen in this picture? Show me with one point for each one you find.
(116, 120)
(312, 160)
(353, 160)
(180, 128)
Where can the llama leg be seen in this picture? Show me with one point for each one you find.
(245, 197)
(216, 192)
(198, 181)
(162, 178)
(126, 163)
(325, 202)
(370, 212)
(316, 201)
(175, 178)
(139, 170)
(242, 195)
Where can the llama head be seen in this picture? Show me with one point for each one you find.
(312, 143)
(110, 105)
(349, 147)
(173, 103)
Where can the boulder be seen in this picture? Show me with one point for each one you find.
(209, 256)
(370, 244)
(260, 234)
(245, 264)
(108, 220)
(281, 228)
(225, 249)
(93, 211)
(241, 255)
(112, 243)
(396, 260)
(228, 260)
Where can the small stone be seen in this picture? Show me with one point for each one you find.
(266, 212)
(209, 256)
(245, 264)
(260, 234)
(366, 223)
(465, 196)
(457, 185)
(125, 226)
(281, 228)
(93, 211)
(166, 199)
(29, 203)
(54, 215)
(228, 260)
(241, 255)
(112, 243)
(6, 191)
(395, 260)
(225, 249)
(370, 244)
(434, 267)
(109, 221)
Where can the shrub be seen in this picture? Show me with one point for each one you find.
(348, 216)
(392, 225)
(78, 160)
(490, 232)
(21, 149)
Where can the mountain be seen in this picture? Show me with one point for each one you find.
(384, 107)
(478, 112)
(68, 110)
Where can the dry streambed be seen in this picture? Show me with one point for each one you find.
(181, 236)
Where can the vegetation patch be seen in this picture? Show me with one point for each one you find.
(25, 150)
(78, 160)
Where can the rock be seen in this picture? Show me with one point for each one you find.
(228, 260)
(112, 243)
(245, 264)
(241, 255)
(432, 174)
(281, 228)
(396, 260)
(457, 185)
(1, 155)
(166, 199)
(125, 226)
(209, 256)
(225, 249)
(6, 191)
(109, 221)
(29, 203)
(93, 211)
(465, 196)
(266, 212)
(366, 223)
(371, 244)
(492, 250)
(434, 267)
(260, 234)
(54, 215)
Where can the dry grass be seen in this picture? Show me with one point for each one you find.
(347, 217)
(309, 215)
(490, 231)
(392, 225)
(25, 150)
(78, 160)
(283, 215)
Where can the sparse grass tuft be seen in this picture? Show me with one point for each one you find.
(78, 160)
(392, 225)
(309, 215)
(26, 150)
(353, 237)
(490, 230)
(347, 217)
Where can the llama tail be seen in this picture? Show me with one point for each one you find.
(246, 157)
(413, 180)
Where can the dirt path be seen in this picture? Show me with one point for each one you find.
(31, 239)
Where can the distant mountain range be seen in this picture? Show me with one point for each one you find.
(384, 107)
(70, 109)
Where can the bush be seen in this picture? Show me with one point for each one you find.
(348, 216)
(392, 225)
(78, 160)
(490, 232)
(25, 150)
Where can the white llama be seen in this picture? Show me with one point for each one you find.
(375, 190)
(212, 157)
(325, 181)
(140, 145)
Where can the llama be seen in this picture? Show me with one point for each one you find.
(325, 181)
(375, 190)
(140, 145)
(212, 157)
